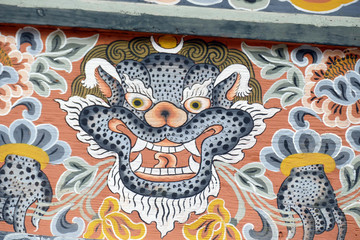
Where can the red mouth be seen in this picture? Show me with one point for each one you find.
(164, 161)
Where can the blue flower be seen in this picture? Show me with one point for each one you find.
(39, 142)
(305, 147)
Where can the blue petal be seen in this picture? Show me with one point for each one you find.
(307, 141)
(330, 144)
(22, 131)
(59, 152)
(283, 143)
(8, 75)
(47, 135)
(270, 160)
(4, 135)
(344, 157)
(353, 137)
(32, 36)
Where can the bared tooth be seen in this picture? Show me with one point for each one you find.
(172, 149)
(163, 171)
(178, 171)
(191, 147)
(155, 171)
(193, 165)
(179, 148)
(171, 171)
(186, 170)
(147, 170)
(165, 149)
(141, 169)
(149, 146)
(135, 165)
(139, 145)
(156, 148)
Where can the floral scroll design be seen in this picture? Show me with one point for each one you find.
(14, 73)
(215, 224)
(23, 72)
(27, 149)
(275, 62)
(305, 157)
(332, 88)
(112, 224)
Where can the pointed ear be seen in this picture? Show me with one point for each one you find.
(90, 80)
(240, 87)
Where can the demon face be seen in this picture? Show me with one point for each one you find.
(167, 119)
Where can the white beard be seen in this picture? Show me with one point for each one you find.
(163, 211)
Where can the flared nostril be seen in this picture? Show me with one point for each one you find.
(165, 113)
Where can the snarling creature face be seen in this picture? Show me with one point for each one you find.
(167, 119)
(166, 122)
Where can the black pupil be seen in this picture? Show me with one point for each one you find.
(137, 103)
(195, 105)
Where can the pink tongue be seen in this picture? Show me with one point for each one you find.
(166, 160)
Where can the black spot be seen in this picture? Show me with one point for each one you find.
(123, 167)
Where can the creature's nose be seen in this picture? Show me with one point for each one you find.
(165, 113)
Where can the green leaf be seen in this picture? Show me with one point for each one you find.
(59, 63)
(39, 82)
(251, 178)
(354, 211)
(55, 41)
(274, 62)
(350, 177)
(79, 176)
(291, 97)
(58, 46)
(289, 90)
(44, 79)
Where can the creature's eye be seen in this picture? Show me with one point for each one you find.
(138, 101)
(197, 104)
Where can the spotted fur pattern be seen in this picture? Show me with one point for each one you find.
(167, 75)
(308, 192)
(21, 184)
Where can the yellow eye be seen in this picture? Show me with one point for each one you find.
(197, 104)
(138, 101)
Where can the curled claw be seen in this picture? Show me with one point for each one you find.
(21, 189)
(308, 192)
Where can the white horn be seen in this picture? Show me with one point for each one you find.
(90, 80)
(242, 80)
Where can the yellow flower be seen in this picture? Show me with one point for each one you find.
(113, 224)
(213, 225)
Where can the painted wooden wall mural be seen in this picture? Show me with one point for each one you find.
(117, 135)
